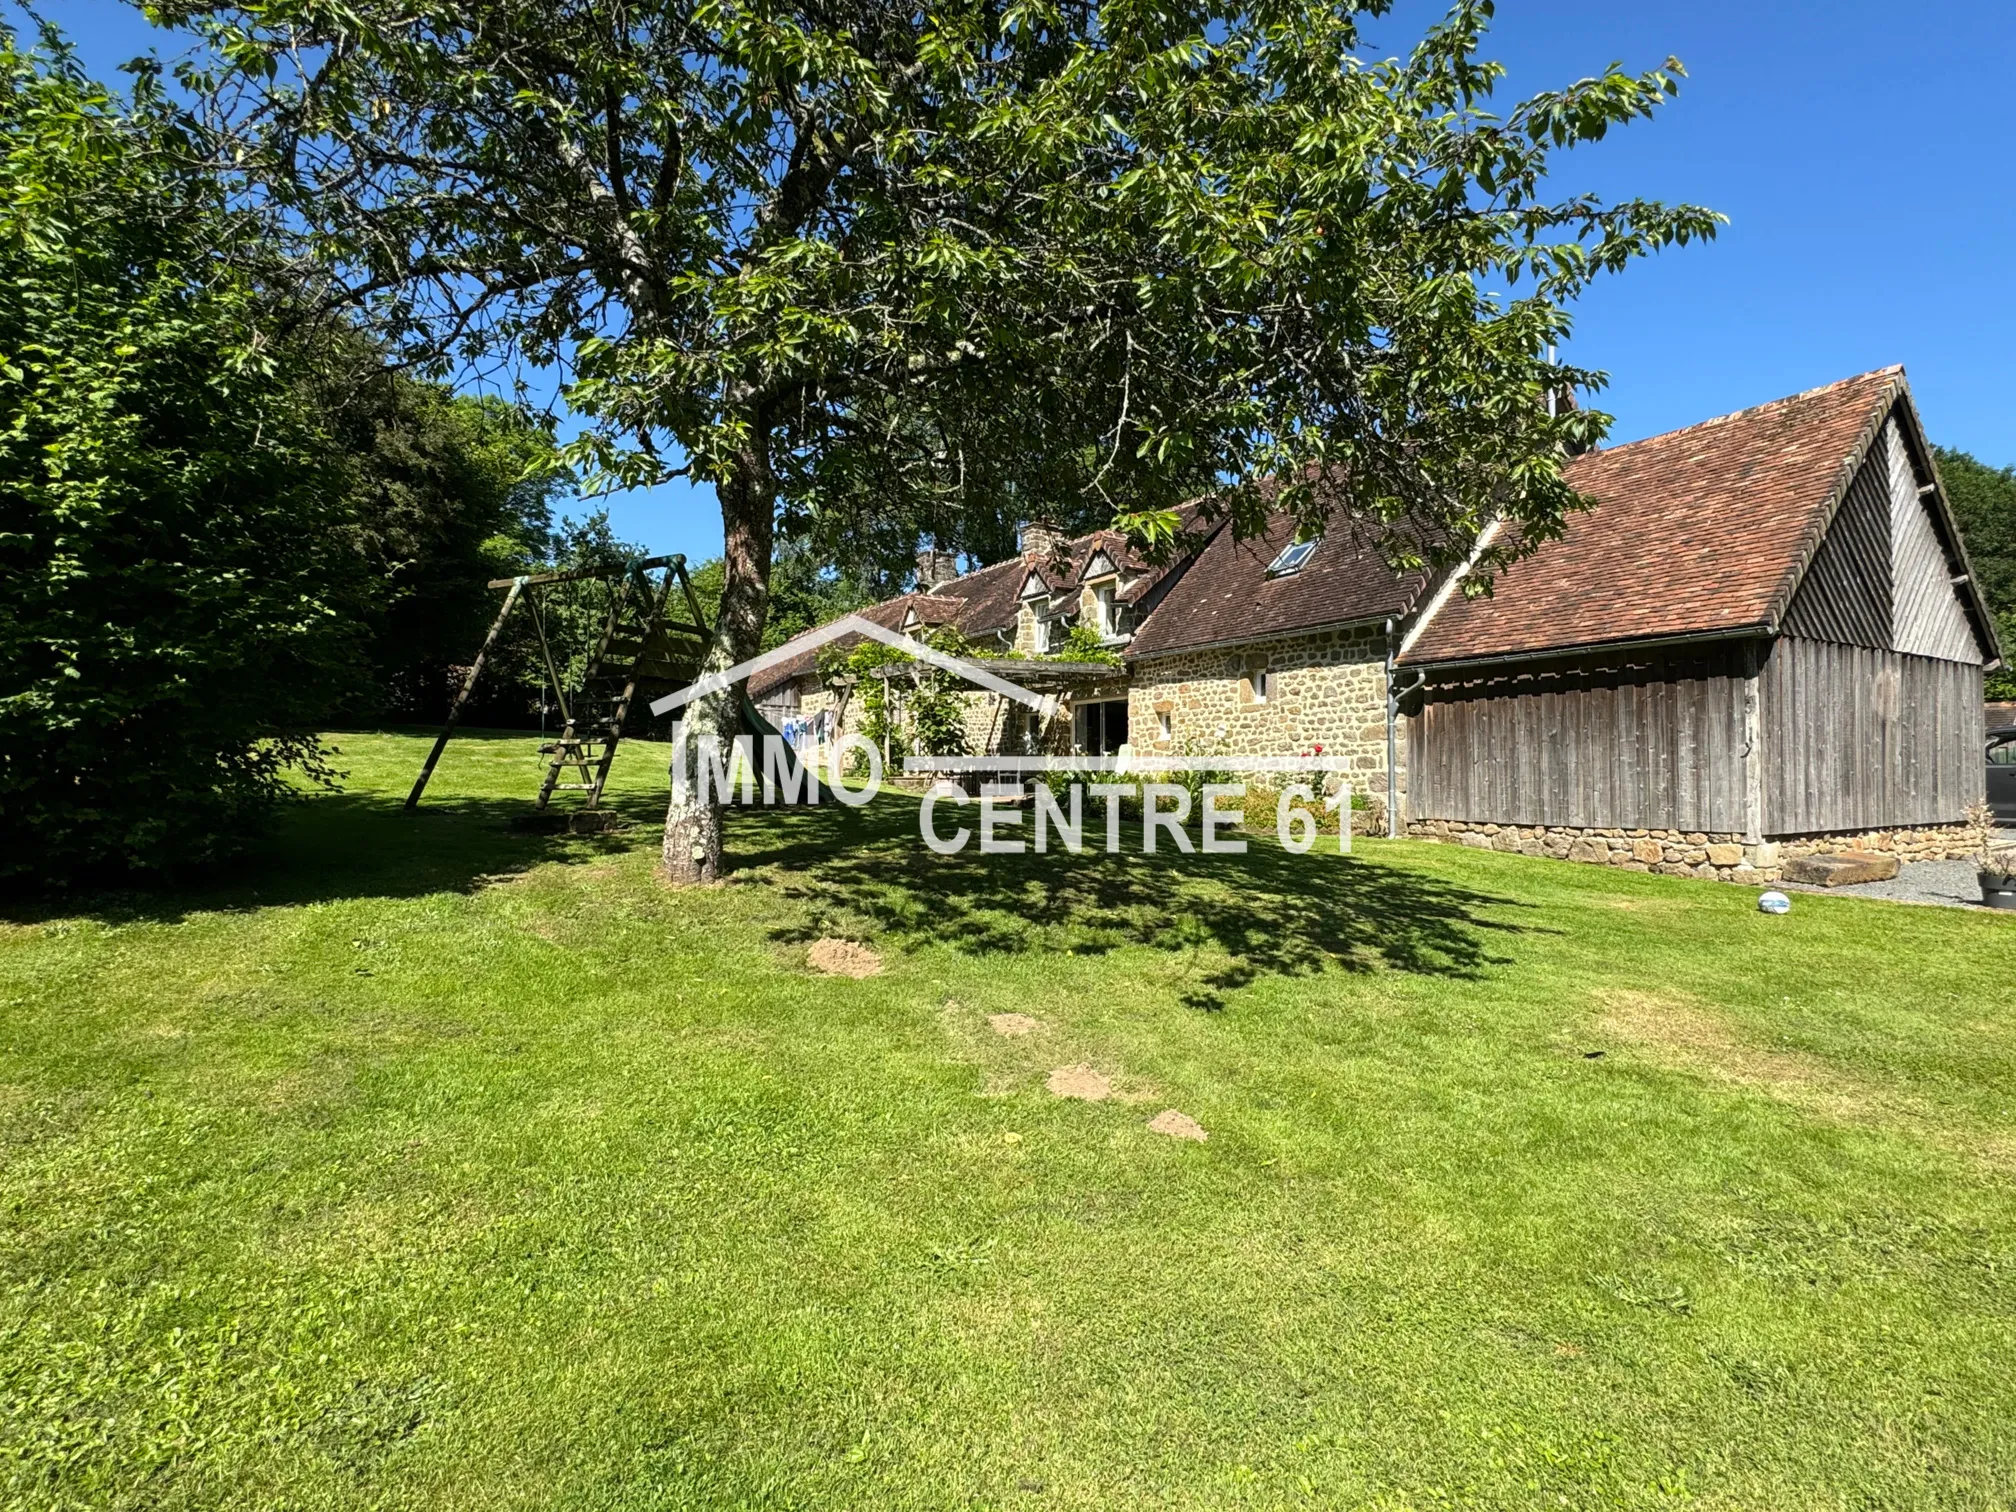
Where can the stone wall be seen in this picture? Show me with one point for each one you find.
(1931, 842)
(1673, 853)
(1327, 688)
(1022, 641)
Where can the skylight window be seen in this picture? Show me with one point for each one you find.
(1294, 556)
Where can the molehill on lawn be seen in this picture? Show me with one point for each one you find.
(428, 1162)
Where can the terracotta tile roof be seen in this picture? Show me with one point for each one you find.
(1698, 531)
(986, 600)
(805, 661)
(1228, 596)
(934, 608)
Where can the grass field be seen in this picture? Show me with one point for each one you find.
(425, 1163)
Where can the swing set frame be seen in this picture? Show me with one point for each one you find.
(646, 658)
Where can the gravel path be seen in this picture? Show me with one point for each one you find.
(1952, 883)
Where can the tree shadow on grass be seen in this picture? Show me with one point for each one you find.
(1265, 913)
(356, 845)
(1238, 918)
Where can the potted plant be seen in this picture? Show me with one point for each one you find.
(1998, 877)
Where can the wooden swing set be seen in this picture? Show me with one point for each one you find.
(639, 647)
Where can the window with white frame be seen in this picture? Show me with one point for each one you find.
(1109, 622)
(1294, 557)
(1257, 684)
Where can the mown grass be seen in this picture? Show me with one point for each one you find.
(425, 1163)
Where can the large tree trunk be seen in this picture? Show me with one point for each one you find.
(693, 828)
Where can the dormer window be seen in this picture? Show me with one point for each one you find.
(1109, 622)
(1294, 557)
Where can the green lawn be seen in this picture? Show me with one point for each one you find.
(427, 1163)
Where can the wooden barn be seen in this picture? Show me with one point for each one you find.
(1765, 639)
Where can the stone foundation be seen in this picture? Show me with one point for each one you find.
(1936, 842)
(1693, 853)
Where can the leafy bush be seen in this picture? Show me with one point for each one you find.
(448, 492)
(170, 562)
(1081, 644)
(928, 716)
(937, 711)
(1192, 781)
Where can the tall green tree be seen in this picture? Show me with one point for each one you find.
(850, 260)
(1984, 502)
(448, 492)
(171, 559)
(804, 591)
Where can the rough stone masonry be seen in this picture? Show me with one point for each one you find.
(1693, 853)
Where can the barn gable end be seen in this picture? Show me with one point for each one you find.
(1883, 576)
(1930, 618)
(1846, 596)
(1802, 550)
(1868, 698)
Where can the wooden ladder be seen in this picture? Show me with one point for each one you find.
(645, 647)
(634, 647)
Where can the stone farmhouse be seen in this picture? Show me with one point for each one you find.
(1764, 639)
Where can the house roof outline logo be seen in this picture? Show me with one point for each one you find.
(855, 624)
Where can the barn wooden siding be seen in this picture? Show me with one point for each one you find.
(1858, 739)
(1929, 619)
(1654, 743)
(1847, 594)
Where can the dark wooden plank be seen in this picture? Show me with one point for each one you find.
(1846, 596)
(537, 579)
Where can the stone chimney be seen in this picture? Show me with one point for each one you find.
(936, 568)
(1042, 540)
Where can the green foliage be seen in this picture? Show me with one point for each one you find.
(172, 558)
(562, 620)
(804, 592)
(1193, 781)
(857, 668)
(937, 713)
(902, 270)
(922, 710)
(449, 492)
(1984, 502)
(1082, 645)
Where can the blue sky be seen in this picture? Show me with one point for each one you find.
(1859, 150)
